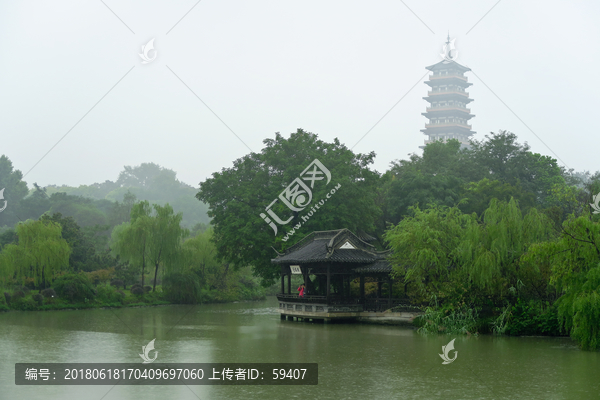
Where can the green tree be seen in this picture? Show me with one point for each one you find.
(15, 189)
(438, 177)
(41, 253)
(82, 249)
(238, 195)
(478, 195)
(575, 262)
(441, 249)
(150, 240)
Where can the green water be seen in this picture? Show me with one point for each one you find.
(356, 361)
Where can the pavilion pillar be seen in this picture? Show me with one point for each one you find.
(378, 289)
(289, 283)
(328, 281)
(362, 287)
(282, 284)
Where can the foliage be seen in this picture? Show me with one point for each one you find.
(100, 276)
(49, 292)
(440, 248)
(150, 240)
(15, 189)
(181, 287)
(74, 287)
(451, 321)
(40, 254)
(108, 294)
(38, 298)
(82, 250)
(137, 290)
(575, 262)
(529, 318)
(238, 195)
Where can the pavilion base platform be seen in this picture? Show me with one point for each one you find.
(314, 312)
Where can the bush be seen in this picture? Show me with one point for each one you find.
(147, 289)
(137, 290)
(101, 275)
(181, 288)
(29, 283)
(532, 318)
(108, 294)
(17, 295)
(24, 304)
(462, 320)
(117, 283)
(38, 299)
(48, 293)
(7, 297)
(74, 287)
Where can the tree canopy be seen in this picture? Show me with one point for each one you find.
(238, 195)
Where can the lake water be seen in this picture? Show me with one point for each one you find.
(356, 361)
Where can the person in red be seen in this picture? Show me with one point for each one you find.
(301, 290)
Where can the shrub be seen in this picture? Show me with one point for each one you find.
(109, 294)
(461, 320)
(101, 275)
(38, 298)
(532, 318)
(7, 297)
(28, 283)
(17, 295)
(137, 290)
(181, 288)
(25, 304)
(48, 293)
(74, 287)
(117, 283)
(147, 289)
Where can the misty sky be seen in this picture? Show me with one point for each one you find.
(331, 67)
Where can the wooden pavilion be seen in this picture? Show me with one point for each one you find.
(328, 262)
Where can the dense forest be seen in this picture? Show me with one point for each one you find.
(489, 239)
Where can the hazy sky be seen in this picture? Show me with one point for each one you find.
(331, 67)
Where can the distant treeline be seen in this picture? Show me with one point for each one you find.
(58, 249)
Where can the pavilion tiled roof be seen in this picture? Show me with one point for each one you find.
(376, 267)
(327, 246)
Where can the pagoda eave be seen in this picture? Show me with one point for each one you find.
(448, 80)
(447, 96)
(438, 114)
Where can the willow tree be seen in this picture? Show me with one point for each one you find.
(40, 253)
(575, 262)
(150, 239)
(450, 254)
